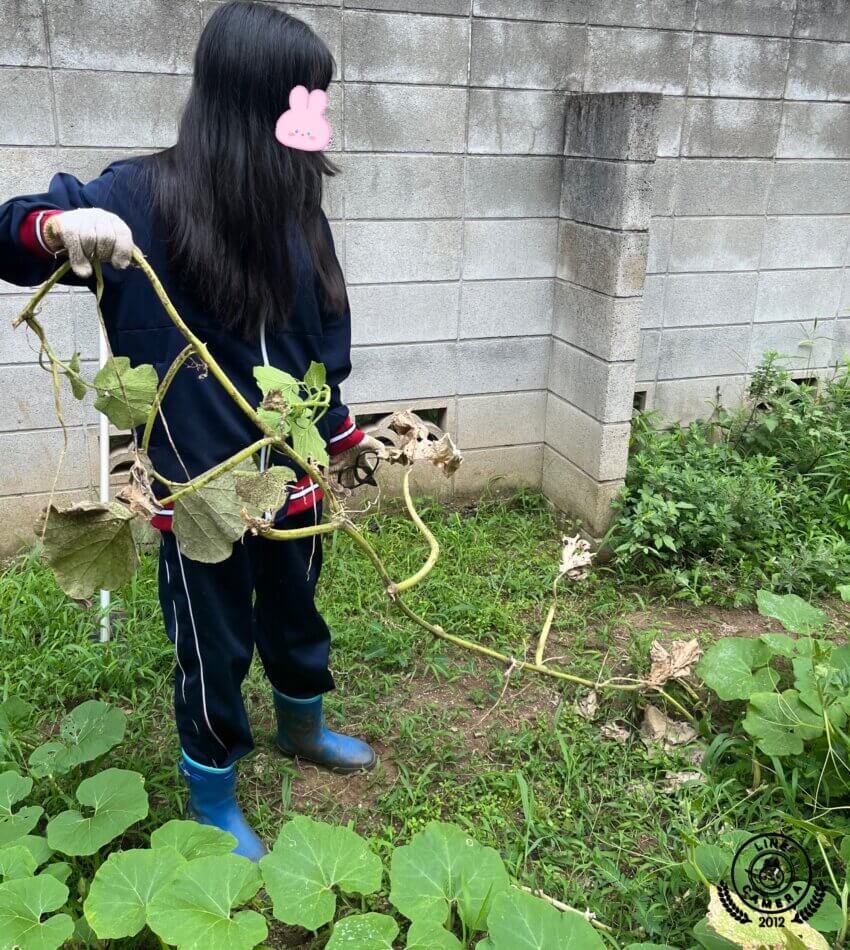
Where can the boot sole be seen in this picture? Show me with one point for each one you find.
(335, 769)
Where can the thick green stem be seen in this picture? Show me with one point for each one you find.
(26, 315)
(221, 469)
(179, 360)
(426, 568)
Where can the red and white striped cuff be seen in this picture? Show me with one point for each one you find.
(345, 437)
(31, 233)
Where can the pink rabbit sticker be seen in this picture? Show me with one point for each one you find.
(304, 125)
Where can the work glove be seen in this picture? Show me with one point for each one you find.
(89, 234)
(341, 466)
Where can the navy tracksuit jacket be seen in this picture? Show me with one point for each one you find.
(264, 593)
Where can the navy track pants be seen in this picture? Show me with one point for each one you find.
(215, 614)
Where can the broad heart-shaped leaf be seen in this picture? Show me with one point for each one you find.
(118, 800)
(520, 921)
(307, 441)
(37, 847)
(15, 715)
(270, 379)
(90, 546)
(266, 491)
(649, 946)
(713, 861)
(87, 732)
(442, 866)
(123, 887)
(16, 860)
(193, 912)
(316, 376)
(23, 904)
(15, 824)
(192, 840)
(727, 666)
(364, 932)
(125, 394)
(794, 613)
(309, 860)
(426, 935)
(206, 522)
(780, 723)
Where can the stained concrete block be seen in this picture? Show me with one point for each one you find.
(665, 14)
(691, 351)
(822, 20)
(818, 70)
(512, 187)
(801, 344)
(606, 327)
(398, 373)
(60, 315)
(608, 194)
(841, 349)
(499, 249)
(670, 121)
(577, 494)
(708, 244)
(557, 11)
(652, 303)
(647, 361)
(757, 17)
(26, 170)
(737, 66)
(391, 251)
(526, 55)
(617, 126)
(743, 128)
(637, 60)
(404, 118)
(19, 513)
(722, 187)
(599, 388)
(26, 117)
(137, 35)
(798, 295)
(501, 419)
(455, 7)
(808, 241)
(505, 308)
(699, 299)
(498, 471)
(685, 400)
(29, 402)
(22, 29)
(403, 186)
(810, 188)
(516, 121)
(660, 236)
(612, 262)
(89, 163)
(815, 130)
(413, 49)
(666, 176)
(403, 313)
(599, 450)
(31, 461)
(502, 365)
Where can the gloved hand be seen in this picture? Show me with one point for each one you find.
(341, 466)
(89, 234)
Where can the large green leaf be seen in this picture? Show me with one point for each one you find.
(90, 546)
(87, 732)
(727, 667)
(520, 921)
(195, 911)
(844, 592)
(192, 840)
(15, 715)
(16, 860)
(713, 861)
(14, 824)
(36, 845)
(780, 723)
(23, 904)
(364, 932)
(125, 394)
(316, 376)
(309, 862)
(308, 442)
(123, 888)
(426, 935)
(273, 380)
(794, 613)
(267, 490)
(206, 522)
(117, 798)
(442, 866)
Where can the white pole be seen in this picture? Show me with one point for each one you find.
(104, 489)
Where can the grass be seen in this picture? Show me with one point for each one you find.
(589, 820)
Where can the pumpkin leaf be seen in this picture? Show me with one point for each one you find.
(779, 722)
(125, 394)
(308, 442)
(364, 932)
(728, 666)
(316, 376)
(268, 490)
(16, 861)
(192, 840)
(794, 613)
(206, 522)
(87, 732)
(14, 788)
(749, 934)
(23, 904)
(520, 921)
(426, 935)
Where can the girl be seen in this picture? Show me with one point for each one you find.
(231, 220)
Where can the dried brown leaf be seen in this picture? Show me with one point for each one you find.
(137, 494)
(588, 705)
(575, 558)
(615, 731)
(672, 663)
(658, 728)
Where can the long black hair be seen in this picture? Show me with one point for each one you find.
(228, 193)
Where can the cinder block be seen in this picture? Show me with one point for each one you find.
(670, 120)
(498, 471)
(818, 70)
(399, 373)
(822, 20)
(26, 117)
(665, 14)
(685, 400)
(612, 262)
(415, 49)
(757, 17)
(29, 401)
(647, 361)
(520, 248)
(518, 122)
(743, 128)
(815, 130)
(558, 11)
(652, 303)
(386, 118)
(810, 188)
(665, 180)
(601, 451)
(505, 308)
(608, 194)
(138, 35)
(31, 461)
(26, 170)
(403, 313)
(512, 187)
(502, 365)
(660, 236)
(525, 55)
(707, 244)
(19, 513)
(801, 344)
(577, 494)
(737, 66)
(59, 315)
(637, 60)
(599, 388)
(456, 7)
(390, 251)
(808, 241)
(619, 126)
(501, 419)
(604, 326)
(699, 299)
(722, 187)
(841, 350)
(403, 186)
(22, 29)
(691, 351)
(798, 295)
(89, 163)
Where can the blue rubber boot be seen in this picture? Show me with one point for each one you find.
(212, 801)
(301, 733)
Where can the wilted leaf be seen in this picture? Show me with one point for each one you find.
(728, 666)
(87, 732)
(575, 558)
(23, 904)
(674, 663)
(416, 444)
(780, 723)
(14, 788)
(520, 921)
(749, 936)
(657, 727)
(267, 490)
(364, 932)
(615, 731)
(588, 705)
(206, 522)
(90, 546)
(138, 494)
(125, 393)
(192, 840)
(78, 387)
(794, 613)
